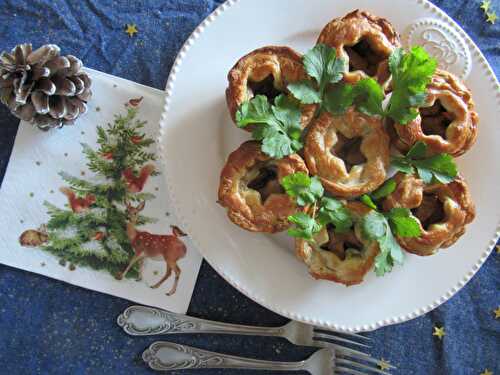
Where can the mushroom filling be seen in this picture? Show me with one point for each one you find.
(435, 119)
(266, 182)
(340, 244)
(349, 150)
(363, 57)
(265, 87)
(430, 211)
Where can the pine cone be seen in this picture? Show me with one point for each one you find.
(43, 87)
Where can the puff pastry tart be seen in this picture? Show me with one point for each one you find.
(442, 210)
(343, 258)
(365, 40)
(251, 191)
(265, 71)
(349, 153)
(447, 123)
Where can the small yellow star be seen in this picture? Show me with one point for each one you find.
(486, 372)
(485, 5)
(131, 29)
(498, 249)
(491, 17)
(439, 332)
(497, 312)
(383, 364)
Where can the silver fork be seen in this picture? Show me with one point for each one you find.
(144, 321)
(167, 356)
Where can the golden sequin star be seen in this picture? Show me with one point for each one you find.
(383, 364)
(131, 29)
(439, 332)
(497, 312)
(491, 17)
(485, 5)
(487, 372)
(498, 249)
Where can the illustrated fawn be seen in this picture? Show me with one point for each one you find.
(147, 245)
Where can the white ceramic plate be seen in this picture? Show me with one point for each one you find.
(197, 135)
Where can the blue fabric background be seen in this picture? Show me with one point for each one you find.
(48, 327)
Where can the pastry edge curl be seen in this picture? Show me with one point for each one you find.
(239, 211)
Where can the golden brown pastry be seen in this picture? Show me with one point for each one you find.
(349, 153)
(265, 71)
(365, 41)
(250, 188)
(447, 123)
(343, 258)
(442, 210)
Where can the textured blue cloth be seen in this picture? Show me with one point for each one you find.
(48, 327)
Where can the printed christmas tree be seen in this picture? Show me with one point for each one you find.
(91, 230)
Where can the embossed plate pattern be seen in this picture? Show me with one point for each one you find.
(197, 135)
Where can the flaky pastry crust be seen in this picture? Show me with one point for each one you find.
(337, 264)
(274, 67)
(327, 153)
(378, 37)
(453, 131)
(250, 188)
(453, 203)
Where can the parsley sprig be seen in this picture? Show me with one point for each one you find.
(308, 191)
(411, 73)
(277, 126)
(324, 68)
(439, 168)
(384, 226)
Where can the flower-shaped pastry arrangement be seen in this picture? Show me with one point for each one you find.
(330, 128)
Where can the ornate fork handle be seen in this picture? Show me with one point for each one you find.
(144, 321)
(166, 356)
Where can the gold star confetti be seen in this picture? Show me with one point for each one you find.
(485, 5)
(486, 372)
(131, 29)
(497, 312)
(491, 17)
(439, 332)
(383, 364)
(498, 249)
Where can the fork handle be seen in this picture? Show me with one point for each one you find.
(145, 321)
(167, 356)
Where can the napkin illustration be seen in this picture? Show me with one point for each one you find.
(104, 216)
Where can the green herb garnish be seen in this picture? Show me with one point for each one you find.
(438, 168)
(322, 65)
(309, 191)
(277, 126)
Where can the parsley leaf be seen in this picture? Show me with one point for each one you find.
(383, 191)
(375, 227)
(338, 98)
(403, 223)
(277, 126)
(411, 73)
(438, 168)
(369, 96)
(368, 201)
(332, 211)
(305, 91)
(306, 190)
(255, 111)
(305, 226)
(324, 68)
(321, 63)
